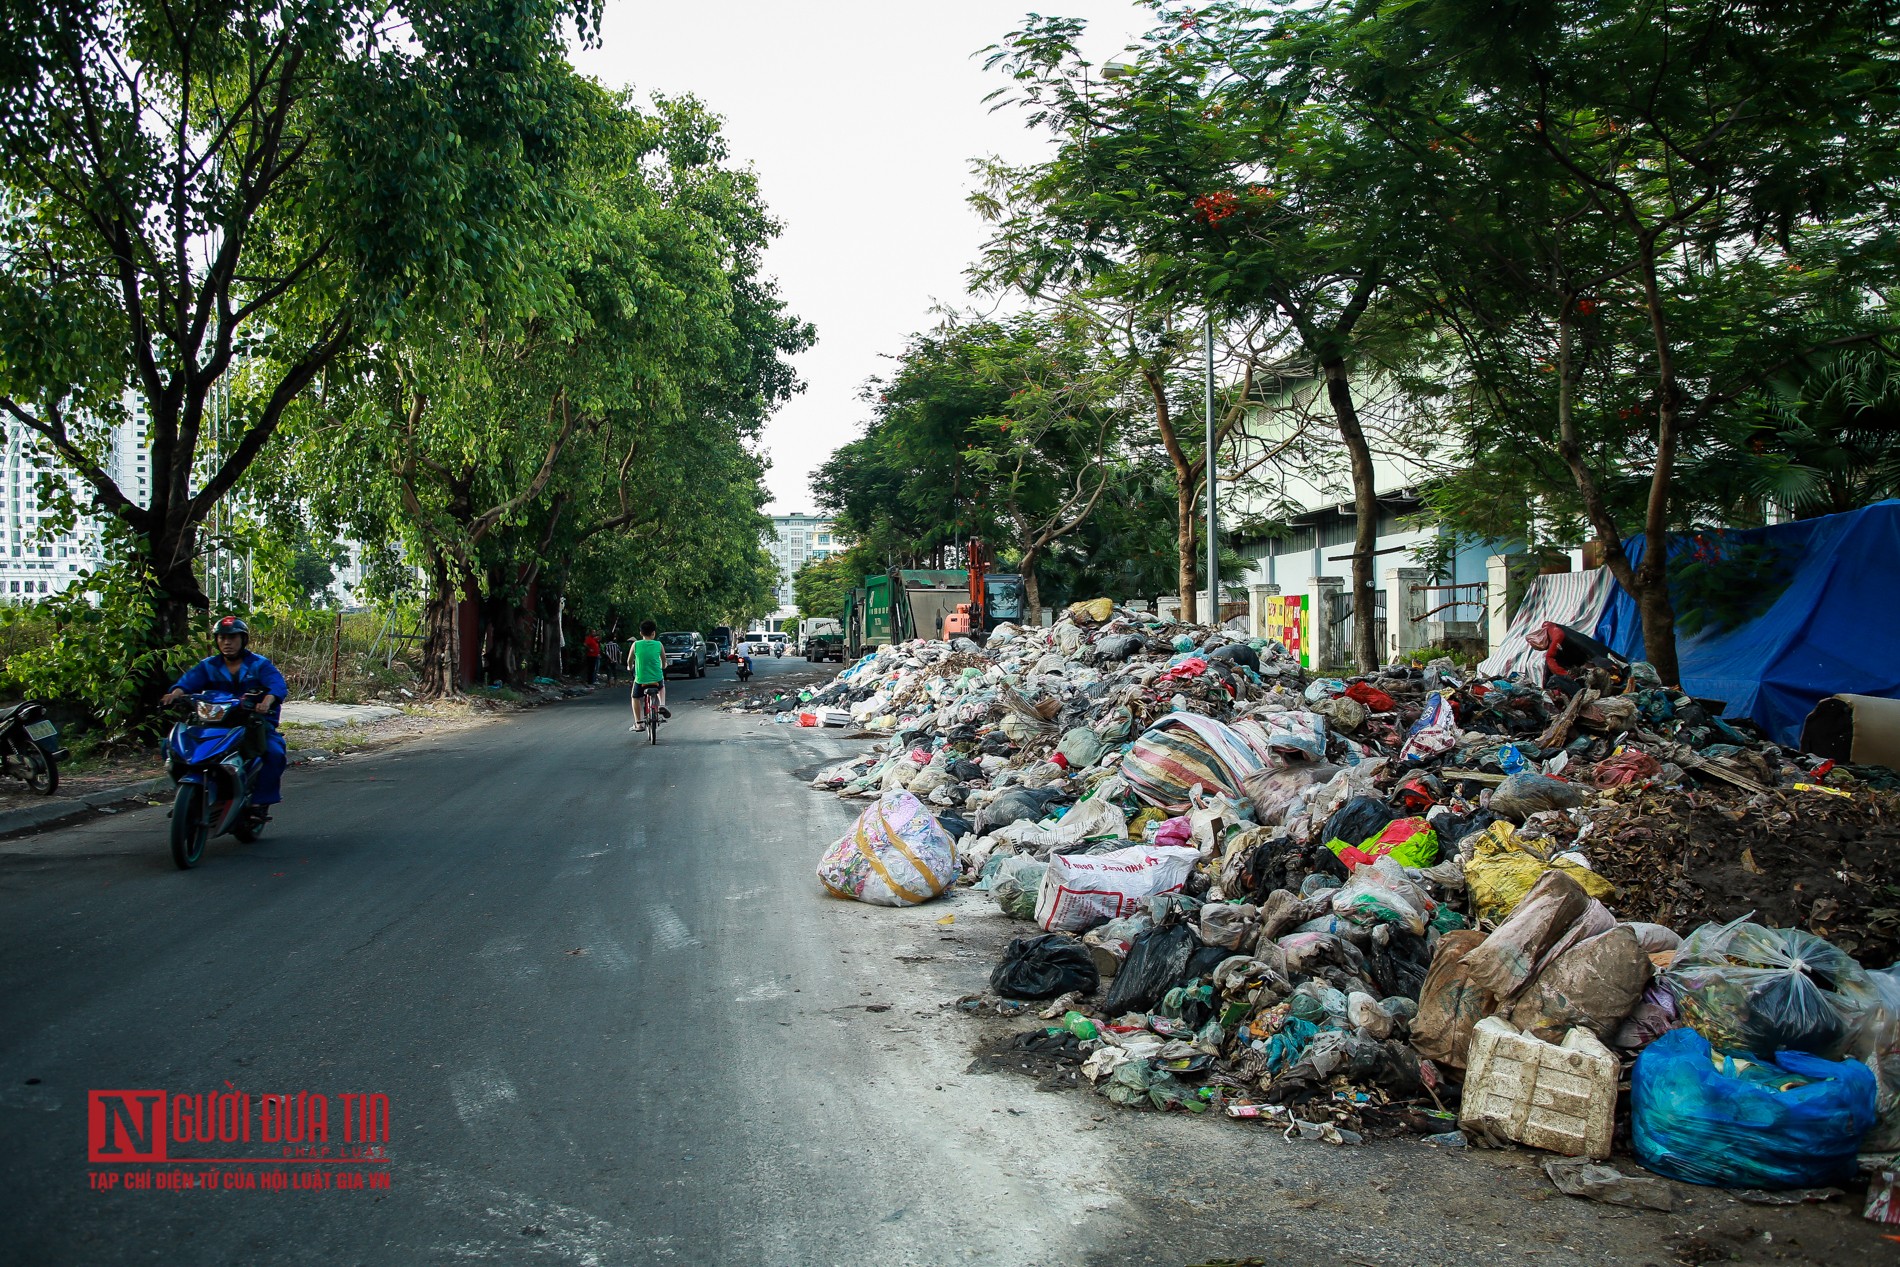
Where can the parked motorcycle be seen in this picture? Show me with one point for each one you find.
(214, 755)
(30, 750)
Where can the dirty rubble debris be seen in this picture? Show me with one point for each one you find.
(1418, 903)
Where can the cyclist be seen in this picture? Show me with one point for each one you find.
(649, 673)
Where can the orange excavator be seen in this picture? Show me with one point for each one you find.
(970, 619)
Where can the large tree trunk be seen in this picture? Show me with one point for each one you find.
(441, 676)
(1652, 600)
(1032, 589)
(1366, 652)
(1184, 544)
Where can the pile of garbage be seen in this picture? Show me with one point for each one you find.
(1414, 902)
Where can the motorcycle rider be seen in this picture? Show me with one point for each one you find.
(242, 672)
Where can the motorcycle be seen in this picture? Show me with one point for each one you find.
(29, 747)
(778, 649)
(214, 755)
(745, 669)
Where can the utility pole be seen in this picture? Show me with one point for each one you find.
(1213, 511)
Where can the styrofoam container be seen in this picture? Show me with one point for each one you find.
(1562, 1098)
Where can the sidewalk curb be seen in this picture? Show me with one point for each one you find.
(14, 822)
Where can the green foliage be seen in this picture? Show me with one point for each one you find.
(821, 587)
(90, 646)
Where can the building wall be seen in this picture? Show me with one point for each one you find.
(1310, 486)
(34, 561)
(797, 539)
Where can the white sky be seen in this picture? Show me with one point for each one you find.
(861, 118)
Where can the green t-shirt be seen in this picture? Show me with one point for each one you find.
(649, 661)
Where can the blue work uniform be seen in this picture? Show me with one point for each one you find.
(253, 675)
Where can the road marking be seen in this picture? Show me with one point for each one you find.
(480, 1093)
(670, 931)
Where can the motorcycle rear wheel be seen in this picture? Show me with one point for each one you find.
(189, 830)
(39, 771)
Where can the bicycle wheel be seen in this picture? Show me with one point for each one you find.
(189, 830)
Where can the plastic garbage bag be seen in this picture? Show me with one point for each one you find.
(1016, 885)
(1410, 842)
(1503, 867)
(1357, 819)
(1450, 1005)
(1554, 916)
(1080, 891)
(1594, 984)
(1110, 943)
(1081, 748)
(1156, 963)
(1434, 732)
(1010, 806)
(1227, 925)
(1275, 793)
(1750, 988)
(1043, 967)
(1522, 795)
(1739, 1122)
(1381, 893)
(1092, 611)
(896, 854)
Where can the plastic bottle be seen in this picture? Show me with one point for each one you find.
(1079, 1025)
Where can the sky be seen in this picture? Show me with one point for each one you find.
(861, 120)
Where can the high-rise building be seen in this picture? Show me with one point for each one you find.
(36, 561)
(797, 539)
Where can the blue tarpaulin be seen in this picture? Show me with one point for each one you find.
(1834, 629)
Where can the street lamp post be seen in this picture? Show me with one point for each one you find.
(1213, 515)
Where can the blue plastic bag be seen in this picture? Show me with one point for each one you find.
(1736, 1127)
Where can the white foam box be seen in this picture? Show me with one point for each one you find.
(1561, 1098)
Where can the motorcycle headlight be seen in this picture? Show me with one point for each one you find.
(209, 712)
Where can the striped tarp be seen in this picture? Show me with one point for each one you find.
(1185, 749)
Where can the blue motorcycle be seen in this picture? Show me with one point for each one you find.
(214, 756)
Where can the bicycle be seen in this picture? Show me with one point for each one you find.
(650, 715)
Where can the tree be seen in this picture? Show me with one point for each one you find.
(821, 586)
(594, 412)
(1684, 196)
(1207, 168)
(261, 185)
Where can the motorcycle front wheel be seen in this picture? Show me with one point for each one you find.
(39, 771)
(189, 830)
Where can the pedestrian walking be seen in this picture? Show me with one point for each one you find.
(610, 656)
(590, 648)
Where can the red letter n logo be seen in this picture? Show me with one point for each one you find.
(125, 1126)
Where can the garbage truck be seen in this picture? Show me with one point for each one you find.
(916, 603)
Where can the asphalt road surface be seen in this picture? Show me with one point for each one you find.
(617, 1022)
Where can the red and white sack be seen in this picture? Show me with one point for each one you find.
(1080, 891)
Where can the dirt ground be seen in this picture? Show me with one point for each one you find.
(1796, 859)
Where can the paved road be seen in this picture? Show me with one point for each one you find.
(618, 1023)
(596, 981)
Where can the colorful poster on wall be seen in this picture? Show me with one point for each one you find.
(1287, 625)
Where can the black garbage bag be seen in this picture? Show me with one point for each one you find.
(1236, 653)
(1399, 966)
(1283, 864)
(1357, 820)
(967, 771)
(1043, 967)
(996, 744)
(1013, 806)
(1156, 963)
(1453, 828)
(956, 824)
(1118, 647)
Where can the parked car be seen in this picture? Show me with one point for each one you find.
(685, 653)
(722, 646)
